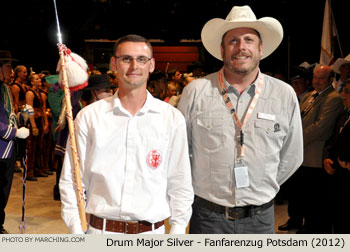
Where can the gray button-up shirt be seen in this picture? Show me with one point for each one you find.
(273, 140)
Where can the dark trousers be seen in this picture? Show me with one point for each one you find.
(340, 203)
(34, 150)
(293, 190)
(309, 199)
(204, 221)
(316, 198)
(56, 188)
(46, 150)
(6, 176)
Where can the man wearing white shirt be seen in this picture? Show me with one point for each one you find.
(133, 154)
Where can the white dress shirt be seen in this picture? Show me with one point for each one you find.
(132, 167)
(272, 139)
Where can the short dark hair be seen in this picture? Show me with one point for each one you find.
(132, 38)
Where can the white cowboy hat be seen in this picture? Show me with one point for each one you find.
(339, 62)
(270, 30)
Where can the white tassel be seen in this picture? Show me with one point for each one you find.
(76, 69)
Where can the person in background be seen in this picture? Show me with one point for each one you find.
(319, 110)
(175, 76)
(99, 87)
(39, 125)
(341, 66)
(171, 91)
(300, 81)
(196, 70)
(158, 85)
(55, 97)
(244, 128)
(62, 131)
(19, 87)
(336, 162)
(8, 133)
(46, 138)
(133, 155)
(113, 78)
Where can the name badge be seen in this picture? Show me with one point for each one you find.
(266, 116)
(241, 176)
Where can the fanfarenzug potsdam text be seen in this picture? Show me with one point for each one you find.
(259, 243)
(207, 242)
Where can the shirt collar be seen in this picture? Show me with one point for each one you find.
(250, 90)
(324, 90)
(150, 105)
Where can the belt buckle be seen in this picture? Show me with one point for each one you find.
(127, 223)
(230, 217)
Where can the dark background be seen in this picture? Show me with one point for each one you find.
(29, 27)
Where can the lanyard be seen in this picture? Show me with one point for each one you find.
(228, 102)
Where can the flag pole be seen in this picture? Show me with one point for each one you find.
(69, 115)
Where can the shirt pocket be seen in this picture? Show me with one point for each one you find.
(263, 127)
(271, 133)
(209, 130)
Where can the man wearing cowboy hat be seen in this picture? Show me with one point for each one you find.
(244, 128)
(341, 66)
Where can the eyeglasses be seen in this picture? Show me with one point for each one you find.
(126, 59)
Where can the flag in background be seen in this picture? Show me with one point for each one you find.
(328, 34)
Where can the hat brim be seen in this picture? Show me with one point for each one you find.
(8, 59)
(270, 30)
(338, 63)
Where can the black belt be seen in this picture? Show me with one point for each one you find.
(232, 213)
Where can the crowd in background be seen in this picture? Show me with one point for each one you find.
(44, 149)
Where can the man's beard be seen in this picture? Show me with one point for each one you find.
(255, 60)
(241, 70)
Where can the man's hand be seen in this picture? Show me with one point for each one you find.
(327, 163)
(343, 164)
(22, 132)
(35, 131)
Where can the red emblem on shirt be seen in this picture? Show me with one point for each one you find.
(154, 159)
